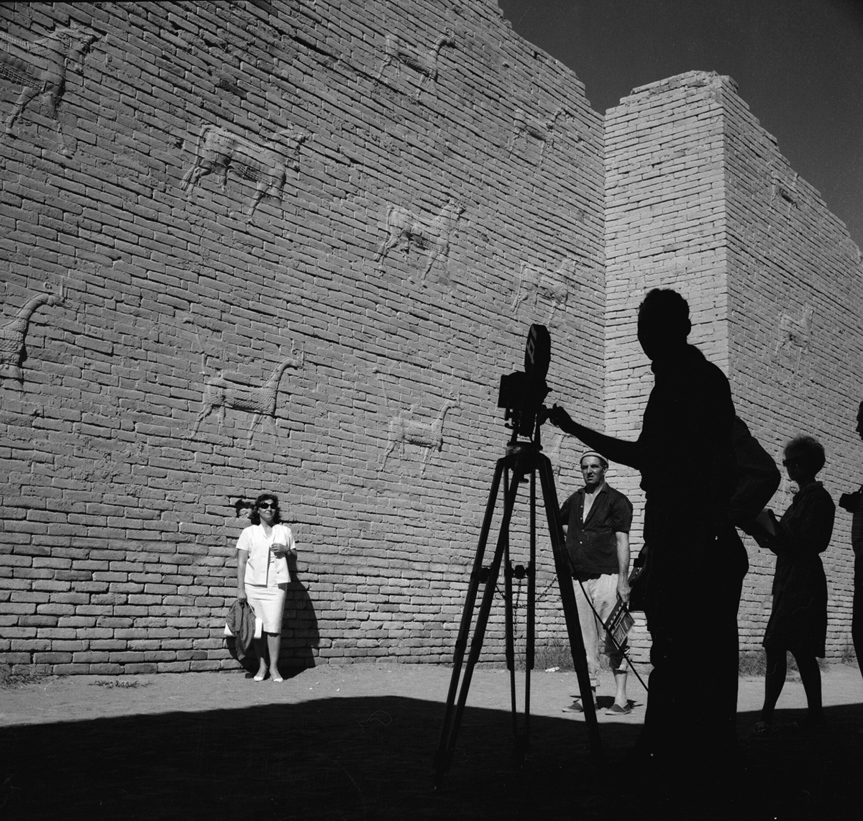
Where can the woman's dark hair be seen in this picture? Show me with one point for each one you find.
(808, 450)
(255, 517)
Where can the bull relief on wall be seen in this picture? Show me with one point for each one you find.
(264, 164)
(40, 67)
(13, 335)
(405, 228)
(423, 62)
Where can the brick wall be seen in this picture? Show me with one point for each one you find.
(795, 291)
(699, 198)
(171, 295)
(356, 372)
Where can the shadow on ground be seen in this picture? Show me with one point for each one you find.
(371, 758)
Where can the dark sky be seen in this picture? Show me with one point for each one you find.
(798, 65)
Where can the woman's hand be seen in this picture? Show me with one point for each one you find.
(279, 550)
(241, 594)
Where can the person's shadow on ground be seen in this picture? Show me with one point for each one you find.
(372, 758)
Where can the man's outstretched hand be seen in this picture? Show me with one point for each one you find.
(560, 419)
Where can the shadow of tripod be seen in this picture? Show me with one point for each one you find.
(523, 461)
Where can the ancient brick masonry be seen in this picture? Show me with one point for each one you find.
(700, 199)
(292, 247)
(383, 196)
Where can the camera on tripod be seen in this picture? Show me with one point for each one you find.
(523, 392)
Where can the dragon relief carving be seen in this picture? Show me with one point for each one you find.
(407, 428)
(405, 228)
(424, 63)
(13, 350)
(794, 338)
(40, 66)
(533, 282)
(223, 392)
(542, 131)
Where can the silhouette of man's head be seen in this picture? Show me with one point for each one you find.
(663, 323)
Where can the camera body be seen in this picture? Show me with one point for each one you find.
(523, 392)
(850, 501)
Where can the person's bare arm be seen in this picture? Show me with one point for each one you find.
(615, 450)
(623, 566)
(242, 558)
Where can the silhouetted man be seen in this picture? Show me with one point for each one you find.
(597, 519)
(853, 503)
(685, 457)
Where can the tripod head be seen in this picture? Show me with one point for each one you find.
(523, 392)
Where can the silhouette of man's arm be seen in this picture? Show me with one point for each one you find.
(615, 450)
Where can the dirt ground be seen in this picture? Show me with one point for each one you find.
(358, 742)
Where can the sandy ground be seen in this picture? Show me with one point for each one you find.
(358, 742)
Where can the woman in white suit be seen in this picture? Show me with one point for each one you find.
(263, 576)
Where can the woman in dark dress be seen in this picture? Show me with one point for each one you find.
(798, 621)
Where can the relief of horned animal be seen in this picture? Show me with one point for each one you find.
(553, 286)
(266, 165)
(425, 63)
(222, 392)
(40, 66)
(540, 130)
(554, 453)
(13, 350)
(406, 228)
(795, 334)
(406, 429)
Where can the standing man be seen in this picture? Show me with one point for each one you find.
(596, 520)
(685, 456)
(853, 503)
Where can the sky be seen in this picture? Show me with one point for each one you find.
(798, 65)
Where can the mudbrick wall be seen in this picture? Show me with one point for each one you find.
(285, 247)
(292, 247)
(699, 198)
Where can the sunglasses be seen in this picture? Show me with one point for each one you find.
(267, 506)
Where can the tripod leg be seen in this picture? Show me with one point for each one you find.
(452, 715)
(522, 743)
(570, 612)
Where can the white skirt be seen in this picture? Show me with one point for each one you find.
(268, 604)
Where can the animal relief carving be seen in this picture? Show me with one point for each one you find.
(222, 392)
(532, 282)
(406, 228)
(422, 62)
(40, 67)
(406, 429)
(266, 165)
(795, 336)
(542, 131)
(12, 336)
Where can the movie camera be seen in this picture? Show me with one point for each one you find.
(523, 392)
